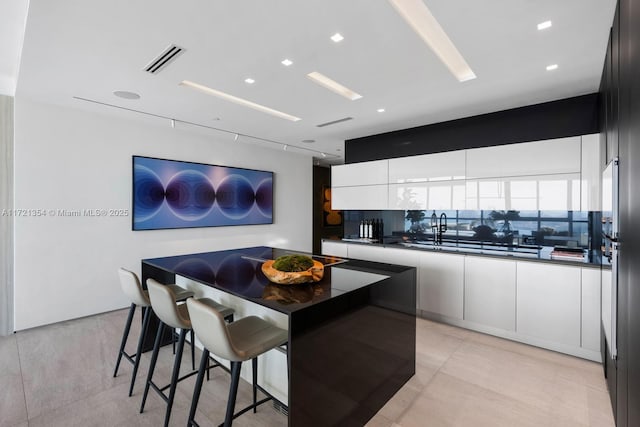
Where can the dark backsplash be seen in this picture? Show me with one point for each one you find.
(517, 228)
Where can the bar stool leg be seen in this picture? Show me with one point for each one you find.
(254, 366)
(152, 365)
(143, 332)
(233, 391)
(193, 352)
(204, 364)
(175, 375)
(125, 335)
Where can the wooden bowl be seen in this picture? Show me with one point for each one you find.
(313, 274)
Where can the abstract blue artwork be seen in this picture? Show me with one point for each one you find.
(176, 194)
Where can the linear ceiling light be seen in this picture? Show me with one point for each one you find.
(418, 16)
(334, 86)
(239, 101)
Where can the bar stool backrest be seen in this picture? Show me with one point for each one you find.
(211, 329)
(132, 289)
(163, 301)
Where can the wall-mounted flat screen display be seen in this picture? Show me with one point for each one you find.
(177, 194)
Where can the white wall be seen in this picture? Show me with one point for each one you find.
(6, 222)
(65, 267)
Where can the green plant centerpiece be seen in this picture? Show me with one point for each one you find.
(291, 263)
(293, 269)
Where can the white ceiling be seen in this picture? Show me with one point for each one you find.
(12, 23)
(88, 49)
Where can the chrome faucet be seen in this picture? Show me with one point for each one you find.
(438, 227)
(442, 227)
(434, 227)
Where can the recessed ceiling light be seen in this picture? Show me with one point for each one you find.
(337, 37)
(126, 94)
(380, 110)
(333, 86)
(308, 141)
(286, 62)
(418, 16)
(239, 101)
(544, 25)
(323, 154)
(249, 80)
(552, 67)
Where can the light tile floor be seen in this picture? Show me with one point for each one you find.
(61, 375)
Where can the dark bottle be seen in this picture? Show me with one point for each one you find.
(381, 230)
(374, 234)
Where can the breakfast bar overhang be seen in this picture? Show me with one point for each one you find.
(351, 335)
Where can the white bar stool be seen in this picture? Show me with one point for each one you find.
(174, 316)
(139, 298)
(237, 342)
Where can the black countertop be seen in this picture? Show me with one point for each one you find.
(592, 259)
(239, 272)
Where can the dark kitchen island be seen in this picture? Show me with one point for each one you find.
(351, 335)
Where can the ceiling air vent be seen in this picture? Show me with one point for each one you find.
(162, 60)
(335, 122)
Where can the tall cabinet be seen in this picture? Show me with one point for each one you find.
(620, 121)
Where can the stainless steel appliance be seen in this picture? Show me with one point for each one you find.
(610, 255)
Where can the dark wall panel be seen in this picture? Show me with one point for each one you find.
(557, 119)
(322, 181)
(621, 92)
(629, 152)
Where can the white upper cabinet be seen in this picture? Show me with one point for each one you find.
(362, 197)
(557, 174)
(441, 195)
(365, 173)
(430, 181)
(427, 168)
(590, 173)
(554, 156)
(541, 192)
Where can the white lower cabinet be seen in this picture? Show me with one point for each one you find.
(441, 284)
(382, 254)
(335, 249)
(548, 302)
(490, 292)
(590, 338)
(547, 305)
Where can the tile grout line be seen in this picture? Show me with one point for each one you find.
(24, 393)
(469, 338)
